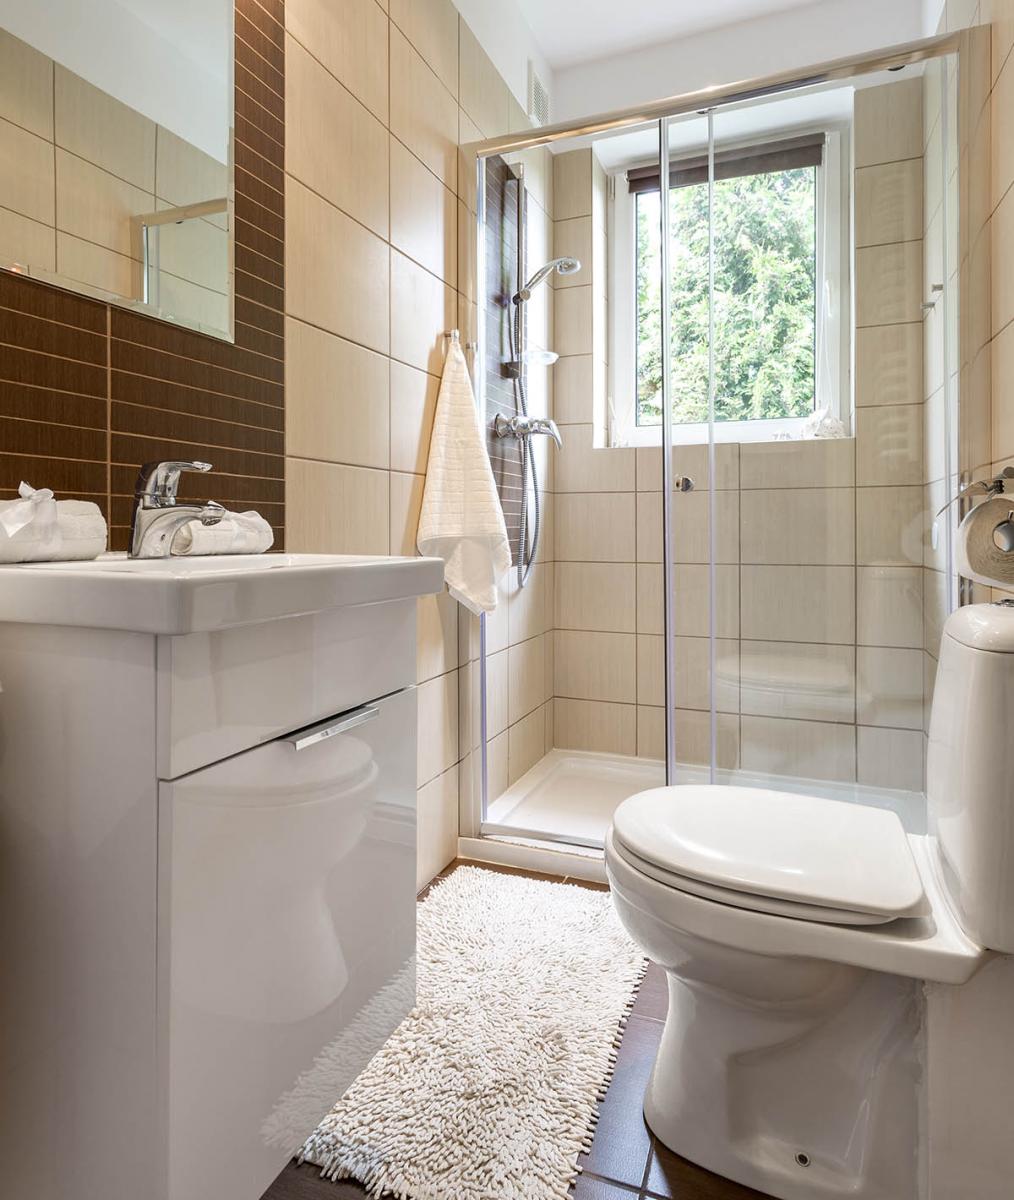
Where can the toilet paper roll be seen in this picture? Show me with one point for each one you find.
(978, 552)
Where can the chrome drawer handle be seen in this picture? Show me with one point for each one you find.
(320, 733)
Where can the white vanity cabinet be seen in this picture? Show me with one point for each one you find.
(207, 876)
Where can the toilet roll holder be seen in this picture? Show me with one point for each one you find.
(1003, 534)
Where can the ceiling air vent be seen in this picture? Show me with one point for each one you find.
(538, 97)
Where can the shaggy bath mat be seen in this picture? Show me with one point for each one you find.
(488, 1090)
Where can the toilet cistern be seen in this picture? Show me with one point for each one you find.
(156, 517)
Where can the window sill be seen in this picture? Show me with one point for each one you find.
(788, 429)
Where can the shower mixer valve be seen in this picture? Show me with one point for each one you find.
(524, 427)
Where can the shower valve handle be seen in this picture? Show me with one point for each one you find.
(523, 427)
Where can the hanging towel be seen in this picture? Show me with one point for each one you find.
(236, 533)
(461, 519)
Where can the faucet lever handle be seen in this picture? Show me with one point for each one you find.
(157, 482)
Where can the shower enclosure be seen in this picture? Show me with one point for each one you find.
(741, 576)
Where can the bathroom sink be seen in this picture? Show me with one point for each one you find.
(196, 595)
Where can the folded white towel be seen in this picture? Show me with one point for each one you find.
(29, 531)
(461, 519)
(82, 527)
(237, 533)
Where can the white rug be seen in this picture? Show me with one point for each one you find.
(488, 1090)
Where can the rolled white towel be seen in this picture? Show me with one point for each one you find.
(82, 527)
(29, 531)
(237, 533)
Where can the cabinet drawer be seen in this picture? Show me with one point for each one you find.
(286, 916)
(220, 693)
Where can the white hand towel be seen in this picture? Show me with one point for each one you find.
(461, 519)
(29, 531)
(83, 532)
(237, 533)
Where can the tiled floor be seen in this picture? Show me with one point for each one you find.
(624, 1162)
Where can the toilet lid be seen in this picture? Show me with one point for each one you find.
(763, 845)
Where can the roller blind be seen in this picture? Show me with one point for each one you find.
(784, 155)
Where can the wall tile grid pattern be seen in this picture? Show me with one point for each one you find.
(820, 545)
(380, 204)
(89, 391)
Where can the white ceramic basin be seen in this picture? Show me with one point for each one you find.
(195, 595)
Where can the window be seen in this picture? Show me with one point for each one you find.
(778, 292)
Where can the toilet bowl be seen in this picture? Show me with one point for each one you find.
(797, 933)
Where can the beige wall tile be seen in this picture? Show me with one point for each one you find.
(436, 636)
(693, 738)
(889, 365)
(26, 174)
(526, 744)
(483, 94)
(691, 595)
(693, 673)
(888, 123)
(889, 445)
(651, 733)
(406, 503)
(890, 687)
(184, 174)
(595, 527)
(424, 114)
(421, 309)
(333, 143)
(1002, 351)
(526, 688)
(811, 749)
(595, 666)
(582, 468)
(574, 389)
(351, 40)
(1002, 232)
(574, 238)
(889, 601)
(573, 316)
(1002, 145)
(208, 308)
(333, 509)
(84, 262)
(424, 215)
(338, 274)
(889, 203)
(26, 86)
(413, 403)
(336, 398)
(691, 527)
(692, 461)
(817, 464)
(438, 726)
(799, 525)
(572, 184)
(527, 611)
(799, 604)
(93, 125)
(798, 680)
(437, 824)
(594, 725)
(889, 284)
(597, 596)
(892, 758)
(196, 251)
(497, 693)
(27, 242)
(432, 28)
(891, 525)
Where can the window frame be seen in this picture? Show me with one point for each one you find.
(832, 333)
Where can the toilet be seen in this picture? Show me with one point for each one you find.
(797, 934)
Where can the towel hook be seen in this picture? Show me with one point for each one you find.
(455, 336)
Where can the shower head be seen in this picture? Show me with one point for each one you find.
(563, 266)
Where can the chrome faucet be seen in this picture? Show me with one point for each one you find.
(157, 518)
(522, 426)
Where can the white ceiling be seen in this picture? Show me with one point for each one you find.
(573, 31)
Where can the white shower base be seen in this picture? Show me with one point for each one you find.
(568, 798)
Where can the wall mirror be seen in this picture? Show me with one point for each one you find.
(116, 153)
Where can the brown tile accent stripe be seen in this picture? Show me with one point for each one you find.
(88, 391)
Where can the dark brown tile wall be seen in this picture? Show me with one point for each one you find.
(89, 391)
(501, 283)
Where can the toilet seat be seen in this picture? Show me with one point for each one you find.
(803, 857)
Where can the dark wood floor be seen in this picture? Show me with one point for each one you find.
(625, 1162)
